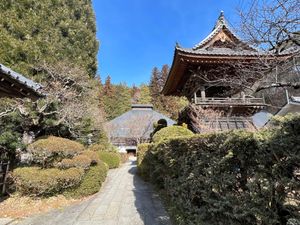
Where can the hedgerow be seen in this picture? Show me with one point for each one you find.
(231, 178)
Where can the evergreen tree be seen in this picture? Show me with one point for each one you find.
(145, 97)
(155, 83)
(108, 89)
(48, 31)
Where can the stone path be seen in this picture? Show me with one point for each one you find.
(123, 200)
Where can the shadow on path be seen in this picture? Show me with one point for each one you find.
(147, 201)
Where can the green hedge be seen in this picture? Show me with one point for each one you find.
(91, 182)
(141, 152)
(112, 159)
(50, 150)
(230, 178)
(171, 132)
(33, 181)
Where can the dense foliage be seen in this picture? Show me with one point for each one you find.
(47, 31)
(230, 178)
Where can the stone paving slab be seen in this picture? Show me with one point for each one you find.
(124, 199)
(5, 221)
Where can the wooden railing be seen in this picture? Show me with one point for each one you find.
(229, 101)
(4, 168)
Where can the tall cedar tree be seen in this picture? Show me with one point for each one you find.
(32, 32)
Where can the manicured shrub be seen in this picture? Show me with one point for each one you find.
(141, 152)
(91, 182)
(232, 178)
(171, 132)
(112, 159)
(33, 181)
(79, 161)
(49, 150)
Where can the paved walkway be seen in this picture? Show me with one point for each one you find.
(123, 200)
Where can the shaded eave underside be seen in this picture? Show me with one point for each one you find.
(13, 84)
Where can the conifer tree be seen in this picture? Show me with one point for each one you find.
(107, 88)
(155, 83)
(48, 31)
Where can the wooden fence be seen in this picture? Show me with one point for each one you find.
(4, 168)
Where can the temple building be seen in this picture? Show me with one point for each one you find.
(134, 127)
(213, 75)
(15, 85)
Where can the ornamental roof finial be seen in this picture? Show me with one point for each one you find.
(221, 19)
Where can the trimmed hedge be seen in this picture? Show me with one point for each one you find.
(230, 178)
(141, 152)
(112, 159)
(91, 182)
(50, 150)
(33, 181)
(171, 132)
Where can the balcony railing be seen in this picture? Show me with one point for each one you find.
(230, 101)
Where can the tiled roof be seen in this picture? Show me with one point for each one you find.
(221, 51)
(20, 78)
(220, 24)
(137, 122)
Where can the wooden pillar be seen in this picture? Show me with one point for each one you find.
(243, 96)
(203, 95)
(195, 97)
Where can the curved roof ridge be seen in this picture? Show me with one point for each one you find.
(220, 24)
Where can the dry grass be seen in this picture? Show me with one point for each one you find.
(21, 207)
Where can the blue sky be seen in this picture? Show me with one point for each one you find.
(137, 35)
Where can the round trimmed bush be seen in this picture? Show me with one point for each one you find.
(33, 181)
(48, 150)
(112, 159)
(171, 132)
(91, 182)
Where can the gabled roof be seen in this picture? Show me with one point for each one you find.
(13, 84)
(222, 27)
